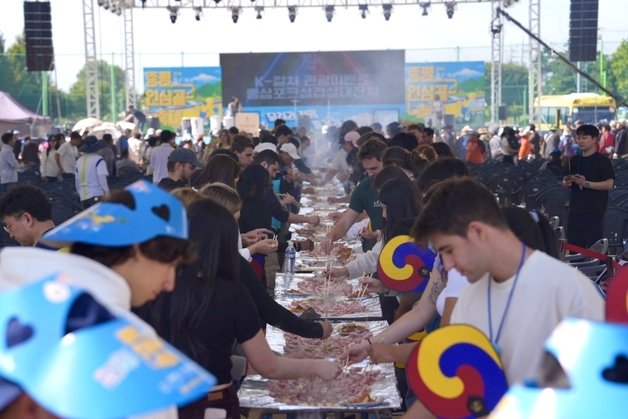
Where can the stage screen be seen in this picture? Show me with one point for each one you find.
(314, 78)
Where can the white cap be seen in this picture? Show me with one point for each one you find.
(265, 146)
(291, 150)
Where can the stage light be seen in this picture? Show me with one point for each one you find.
(259, 10)
(364, 8)
(216, 1)
(143, 3)
(425, 5)
(450, 5)
(106, 5)
(387, 10)
(292, 13)
(198, 12)
(119, 11)
(174, 12)
(329, 12)
(101, 3)
(235, 14)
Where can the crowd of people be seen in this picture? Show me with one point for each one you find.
(190, 249)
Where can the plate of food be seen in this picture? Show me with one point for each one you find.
(348, 328)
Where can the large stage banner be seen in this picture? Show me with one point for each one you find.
(321, 87)
(172, 93)
(445, 92)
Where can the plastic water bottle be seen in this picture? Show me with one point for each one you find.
(289, 261)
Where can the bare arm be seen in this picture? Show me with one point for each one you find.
(346, 220)
(409, 323)
(58, 160)
(450, 303)
(269, 365)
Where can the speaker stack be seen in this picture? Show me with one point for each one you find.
(38, 33)
(583, 30)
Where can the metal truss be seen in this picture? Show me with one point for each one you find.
(92, 95)
(535, 74)
(229, 4)
(497, 58)
(129, 59)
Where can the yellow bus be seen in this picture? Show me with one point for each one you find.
(560, 110)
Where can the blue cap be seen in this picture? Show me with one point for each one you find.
(593, 357)
(76, 359)
(155, 213)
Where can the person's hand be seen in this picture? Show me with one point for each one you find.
(327, 329)
(357, 352)
(314, 220)
(264, 246)
(326, 369)
(568, 181)
(373, 284)
(256, 235)
(326, 245)
(578, 180)
(335, 216)
(338, 273)
(289, 200)
(380, 353)
(365, 233)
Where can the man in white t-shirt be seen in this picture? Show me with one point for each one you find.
(159, 156)
(67, 154)
(516, 295)
(91, 173)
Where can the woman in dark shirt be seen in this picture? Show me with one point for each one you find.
(210, 309)
(259, 203)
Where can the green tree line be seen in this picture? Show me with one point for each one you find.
(26, 86)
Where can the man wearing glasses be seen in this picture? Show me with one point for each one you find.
(26, 214)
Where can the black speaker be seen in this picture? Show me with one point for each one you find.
(502, 113)
(38, 36)
(583, 30)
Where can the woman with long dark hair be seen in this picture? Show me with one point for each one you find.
(219, 168)
(400, 203)
(49, 168)
(210, 309)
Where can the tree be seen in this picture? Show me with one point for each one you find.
(514, 88)
(76, 104)
(619, 69)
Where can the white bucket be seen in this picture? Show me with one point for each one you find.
(214, 413)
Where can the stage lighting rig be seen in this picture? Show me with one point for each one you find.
(198, 12)
(451, 6)
(292, 13)
(235, 14)
(329, 12)
(143, 4)
(425, 5)
(259, 10)
(174, 12)
(364, 9)
(387, 10)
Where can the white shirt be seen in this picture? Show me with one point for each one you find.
(8, 164)
(91, 176)
(495, 143)
(67, 156)
(547, 291)
(135, 150)
(159, 161)
(455, 284)
(49, 166)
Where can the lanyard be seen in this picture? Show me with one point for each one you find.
(512, 291)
